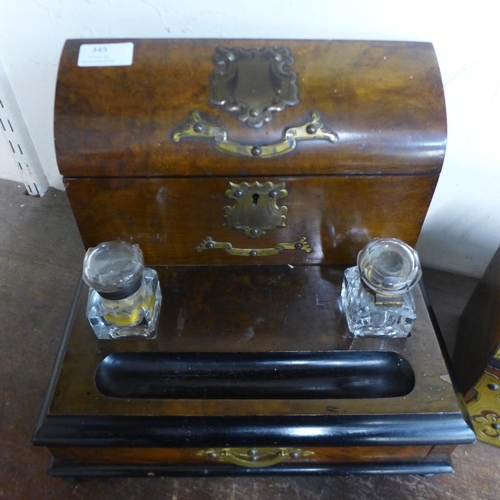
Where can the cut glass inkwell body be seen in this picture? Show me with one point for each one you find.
(377, 296)
(124, 298)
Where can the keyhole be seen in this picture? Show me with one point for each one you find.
(255, 198)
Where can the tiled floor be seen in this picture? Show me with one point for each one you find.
(40, 261)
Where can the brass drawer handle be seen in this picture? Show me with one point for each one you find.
(254, 457)
(196, 127)
(208, 244)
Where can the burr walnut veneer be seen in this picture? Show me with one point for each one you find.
(250, 173)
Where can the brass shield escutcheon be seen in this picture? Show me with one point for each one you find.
(254, 83)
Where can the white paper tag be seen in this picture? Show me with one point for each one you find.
(106, 54)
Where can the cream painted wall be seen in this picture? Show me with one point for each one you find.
(462, 229)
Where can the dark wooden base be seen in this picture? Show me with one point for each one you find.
(66, 471)
(263, 312)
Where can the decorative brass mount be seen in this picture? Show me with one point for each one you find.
(255, 209)
(484, 409)
(196, 127)
(253, 83)
(208, 244)
(254, 457)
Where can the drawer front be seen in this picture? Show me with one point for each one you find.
(286, 220)
(243, 457)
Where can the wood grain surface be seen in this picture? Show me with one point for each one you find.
(384, 100)
(169, 218)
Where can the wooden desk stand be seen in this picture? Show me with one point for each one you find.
(251, 173)
(360, 406)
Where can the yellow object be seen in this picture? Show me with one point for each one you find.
(484, 409)
(121, 318)
(128, 311)
(254, 457)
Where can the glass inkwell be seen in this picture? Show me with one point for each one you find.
(377, 296)
(124, 298)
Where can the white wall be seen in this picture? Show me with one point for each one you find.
(8, 168)
(462, 229)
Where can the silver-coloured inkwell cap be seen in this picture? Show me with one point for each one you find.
(389, 267)
(114, 269)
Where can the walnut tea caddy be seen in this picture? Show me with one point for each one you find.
(250, 173)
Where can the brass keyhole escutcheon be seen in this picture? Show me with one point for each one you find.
(254, 212)
(255, 208)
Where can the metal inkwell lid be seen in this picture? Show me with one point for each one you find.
(389, 267)
(114, 269)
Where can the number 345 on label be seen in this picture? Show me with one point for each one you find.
(106, 54)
